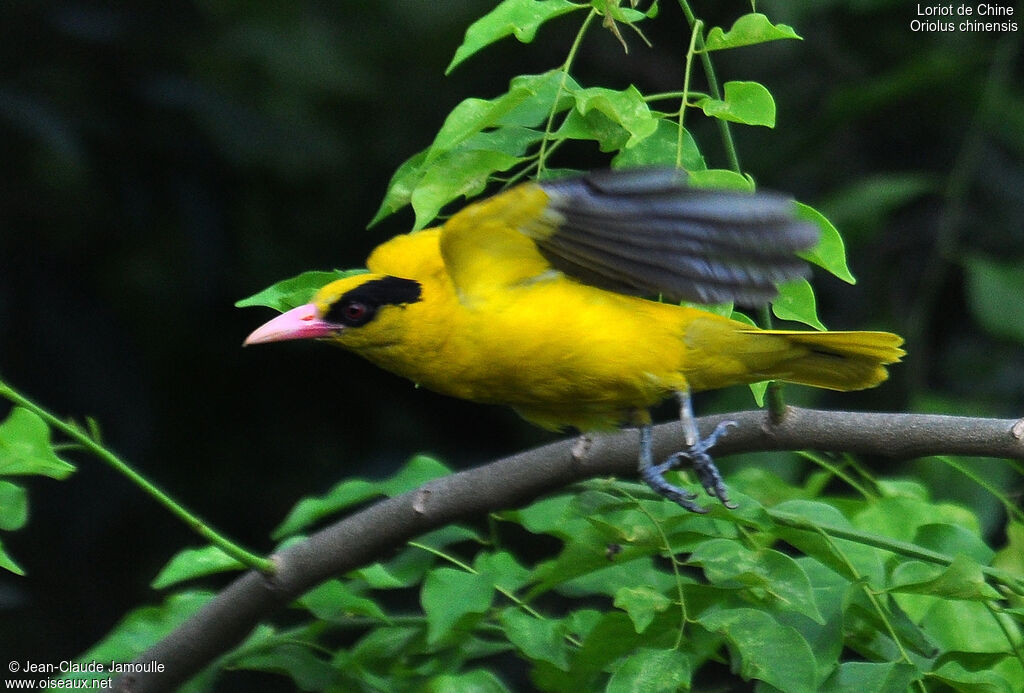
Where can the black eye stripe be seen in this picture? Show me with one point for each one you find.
(371, 296)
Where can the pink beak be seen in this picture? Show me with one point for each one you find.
(303, 322)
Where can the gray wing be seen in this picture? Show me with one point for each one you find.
(646, 232)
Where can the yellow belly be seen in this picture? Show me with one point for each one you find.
(560, 353)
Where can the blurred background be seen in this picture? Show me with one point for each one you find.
(163, 160)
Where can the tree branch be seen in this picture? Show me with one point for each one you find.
(373, 532)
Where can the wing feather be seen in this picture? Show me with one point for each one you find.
(643, 231)
(646, 232)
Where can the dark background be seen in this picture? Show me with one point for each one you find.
(162, 160)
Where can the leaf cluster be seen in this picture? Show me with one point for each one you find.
(799, 590)
(26, 449)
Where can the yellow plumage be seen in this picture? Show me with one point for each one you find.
(486, 308)
(566, 354)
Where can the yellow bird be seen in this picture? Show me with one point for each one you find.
(533, 299)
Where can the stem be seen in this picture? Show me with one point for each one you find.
(1011, 508)
(697, 24)
(716, 93)
(773, 395)
(667, 545)
(904, 549)
(83, 439)
(869, 593)
(509, 594)
(573, 49)
(837, 472)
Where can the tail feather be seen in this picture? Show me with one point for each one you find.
(838, 360)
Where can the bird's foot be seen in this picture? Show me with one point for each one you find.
(703, 466)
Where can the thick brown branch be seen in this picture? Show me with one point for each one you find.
(378, 529)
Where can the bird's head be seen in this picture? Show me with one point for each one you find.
(358, 312)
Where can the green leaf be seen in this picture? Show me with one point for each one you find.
(749, 103)
(502, 569)
(416, 472)
(448, 596)
(294, 292)
(528, 102)
(626, 108)
(459, 173)
(7, 563)
(538, 639)
(796, 302)
(192, 563)
(309, 511)
(595, 125)
(993, 293)
(721, 178)
(953, 539)
(960, 679)
(25, 447)
(877, 677)
(850, 559)
(282, 654)
(661, 149)
(982, 672)
(962, 579)
(767, 650)
(472, 117)
(400, 187)
(404, 570)
(642, 604)
(620, 13)
(146, 625)
(647, 670)
(1011, 557)
(611, 637)
(880, 629)
(552, 515)
(830, 251)
(748, 30)
(476, 681)
(900, 515)
(964, 626)
(513, 140)
(520, 18)
(335, 601)
(13, 506)
(728, 563)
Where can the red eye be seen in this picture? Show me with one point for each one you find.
(354, 311)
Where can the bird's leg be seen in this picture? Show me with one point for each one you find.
(697, 454)
(654, 475)
(697, 451)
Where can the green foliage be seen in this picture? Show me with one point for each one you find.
(26, 449)
(294, 292)
(747, 30)
(894, 591)
(749, 103)
(521, 18)
(516, 133)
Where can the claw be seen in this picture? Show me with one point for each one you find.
(700, 461)
(706, 444)
(654, 478)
